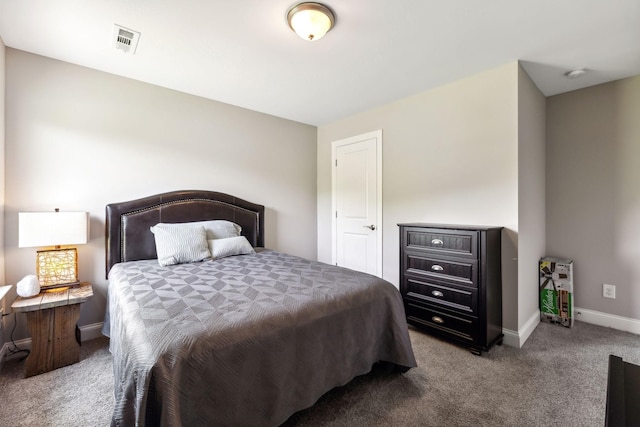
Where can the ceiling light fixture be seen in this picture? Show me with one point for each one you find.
(310, 20)
(575, 74)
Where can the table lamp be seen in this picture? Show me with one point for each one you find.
(58, 266)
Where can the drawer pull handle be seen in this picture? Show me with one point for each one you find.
(437, 319)
(437, 242)
(437, 294)
(436, 267)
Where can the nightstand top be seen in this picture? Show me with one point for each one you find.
(54, 298)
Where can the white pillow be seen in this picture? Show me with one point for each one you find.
(177, 245)
(215, 229)
(238, 245)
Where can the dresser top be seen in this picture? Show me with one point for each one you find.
(449, 226)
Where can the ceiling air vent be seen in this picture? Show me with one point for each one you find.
(125, 39)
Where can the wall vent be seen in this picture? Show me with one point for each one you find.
(125, 39)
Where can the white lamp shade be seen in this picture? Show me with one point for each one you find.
(36, 229)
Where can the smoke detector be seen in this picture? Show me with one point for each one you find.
(575, 74)
(125, 39)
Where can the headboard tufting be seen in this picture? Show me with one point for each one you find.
(128, 237)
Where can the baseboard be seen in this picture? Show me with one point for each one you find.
(608, 320)
(87, 332)
(511, 338)
(24, 344)
(92, 331)
(518, 338)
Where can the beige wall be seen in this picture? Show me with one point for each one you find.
(450, 155)
(78, 139)
(531, 198)
(593, 201)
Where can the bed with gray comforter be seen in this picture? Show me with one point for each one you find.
(245, 340)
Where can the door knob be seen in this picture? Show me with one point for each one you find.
(370, 227)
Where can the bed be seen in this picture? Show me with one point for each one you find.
(240, 340)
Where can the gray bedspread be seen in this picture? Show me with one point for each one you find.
(246, 340)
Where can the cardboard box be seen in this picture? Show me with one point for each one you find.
(556, 291)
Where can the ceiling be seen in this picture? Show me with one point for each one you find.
(242, 52)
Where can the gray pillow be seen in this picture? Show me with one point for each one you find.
(238, 245)
(178, 245)
(215, 229)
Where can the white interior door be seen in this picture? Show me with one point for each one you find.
(357, 203)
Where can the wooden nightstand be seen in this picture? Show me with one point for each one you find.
(52, 318)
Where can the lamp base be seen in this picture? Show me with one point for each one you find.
(57, 267)
(59, 288)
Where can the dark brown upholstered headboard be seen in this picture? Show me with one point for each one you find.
(128, 237)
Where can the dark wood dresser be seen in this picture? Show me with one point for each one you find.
(451, 281)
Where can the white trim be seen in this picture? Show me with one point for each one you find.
(24, 344)
(377, 134)
(528, 327)
(608, 320)
(90, 332)
(511, 338)
(87, 333)
(518, 338)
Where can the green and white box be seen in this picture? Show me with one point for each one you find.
(556, 291)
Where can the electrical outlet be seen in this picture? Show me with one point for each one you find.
(609, 291)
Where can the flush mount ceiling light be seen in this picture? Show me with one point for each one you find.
(575, 74)
(310, 20)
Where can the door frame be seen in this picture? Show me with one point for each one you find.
(377, 134)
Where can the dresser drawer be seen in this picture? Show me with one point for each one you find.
(445, 242)
(461, 327)
(461, 299)
(462, 272)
